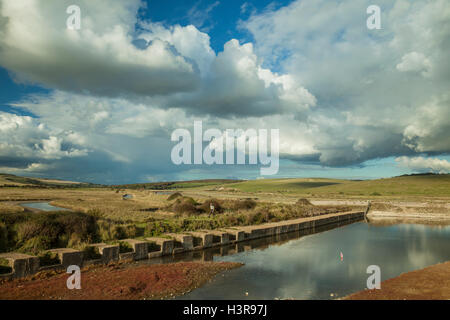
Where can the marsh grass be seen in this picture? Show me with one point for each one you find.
(4, 266)
(48, 258)
(35, 232)
(91, 253)
(124, 247)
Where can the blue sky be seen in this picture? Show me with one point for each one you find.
(349, 102)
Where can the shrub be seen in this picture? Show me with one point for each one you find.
(185, 205)
(303, 202)
(91, 253)
(3, 237)
(173, 196)
(41, 231)
(152, 246)
(262, 216)
(4, 266)
(124, 247)
(205, 206)
(96, 213)
(48, 259)
(246, 204)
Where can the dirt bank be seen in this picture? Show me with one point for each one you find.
(118, 282)
(431, 283)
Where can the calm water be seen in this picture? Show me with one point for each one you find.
(42, 206)
(310, 267)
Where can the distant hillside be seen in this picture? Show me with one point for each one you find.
(176, 184)
(10, 180)
(422, 184)
(406, 185)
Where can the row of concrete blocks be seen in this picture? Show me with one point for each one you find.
(23, 265)
(272, 229)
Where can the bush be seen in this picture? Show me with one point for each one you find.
(246, 204)
(36, 232)
(153, 246)
(3, 237)
(262, 216)
(303, 202)
(4, 266)
(124, 247)
(205, 206)
(48, 259)
(35, 245)
(91, 253)
(173, 196)
(185, 205)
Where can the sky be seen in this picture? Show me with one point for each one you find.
(100, 103)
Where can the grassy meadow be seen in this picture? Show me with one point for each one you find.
(404, 186)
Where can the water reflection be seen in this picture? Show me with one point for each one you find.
(44, 206)
(307, 265)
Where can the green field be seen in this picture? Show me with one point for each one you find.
(415, 185)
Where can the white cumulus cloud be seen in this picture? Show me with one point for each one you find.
(425, 164)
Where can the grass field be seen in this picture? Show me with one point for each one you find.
(405, 186)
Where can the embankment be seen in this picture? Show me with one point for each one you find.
(117, 282)
(430, 283)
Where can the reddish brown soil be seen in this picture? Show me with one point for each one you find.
(431, 283)
(119, 282)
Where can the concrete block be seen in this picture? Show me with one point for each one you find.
(140, 248)
(155, 254)
(69, 256)
(202, 238)
(186, 240)
(164, 245)
(235, 235)
(22, 265)
(178, 250)
(110, 253)
(220, 237)
(258, 232)
(126, 256)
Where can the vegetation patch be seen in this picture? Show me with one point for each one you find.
(184, 205)
(4, 266)
(246, 204)
(153, 246)
(91, 253)
(36, 232)
(303, 202)
(124, 247)
(175, 195)
(48, 258)
(206, 206)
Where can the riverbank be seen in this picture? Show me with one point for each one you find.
(409, 217)
(117, 282)
(431, 283)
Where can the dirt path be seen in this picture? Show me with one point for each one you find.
(431, 283)
(118, 282)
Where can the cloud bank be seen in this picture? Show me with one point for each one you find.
(339, 93)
